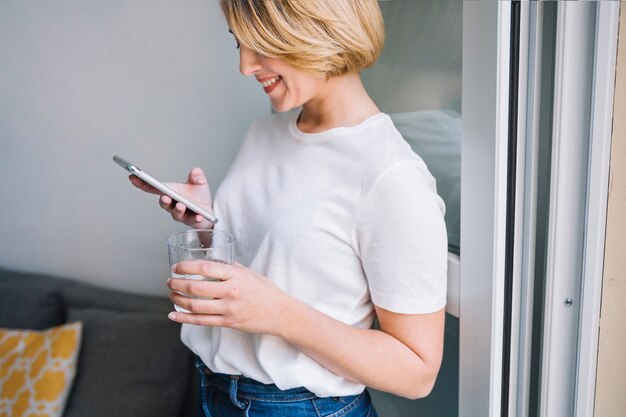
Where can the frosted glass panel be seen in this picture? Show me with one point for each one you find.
(417, 81)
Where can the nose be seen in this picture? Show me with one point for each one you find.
(249, 62)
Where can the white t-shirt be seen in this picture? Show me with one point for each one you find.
(342, 220)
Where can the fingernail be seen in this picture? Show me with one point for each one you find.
(199, 179)
(172, 316)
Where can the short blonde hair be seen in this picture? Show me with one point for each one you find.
(329, 37)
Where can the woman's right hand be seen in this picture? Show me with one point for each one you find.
(196, 188)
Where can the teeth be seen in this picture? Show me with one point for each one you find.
(270, 82)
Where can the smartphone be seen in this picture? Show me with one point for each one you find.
(135, 170)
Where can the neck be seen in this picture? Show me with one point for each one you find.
(342, 102)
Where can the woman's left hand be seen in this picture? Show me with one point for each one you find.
(241, 299)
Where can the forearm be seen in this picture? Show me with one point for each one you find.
(402, 358)
(371, 357)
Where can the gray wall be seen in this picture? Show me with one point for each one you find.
(154, 81)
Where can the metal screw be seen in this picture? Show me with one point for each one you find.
(568, 302)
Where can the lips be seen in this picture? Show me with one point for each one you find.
(269, 84)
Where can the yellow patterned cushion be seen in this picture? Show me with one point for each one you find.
(37, 369)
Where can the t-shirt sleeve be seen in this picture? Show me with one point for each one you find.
(401, 239)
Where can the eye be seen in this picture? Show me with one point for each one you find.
(236, 40)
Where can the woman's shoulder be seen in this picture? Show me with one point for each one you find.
(384, 146)
(387, 160)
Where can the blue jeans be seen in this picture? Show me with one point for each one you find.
(231, 395)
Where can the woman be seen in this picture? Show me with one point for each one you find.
(337, 223)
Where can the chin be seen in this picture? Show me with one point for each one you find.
(282, 108)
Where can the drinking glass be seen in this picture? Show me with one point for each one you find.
(210, 245)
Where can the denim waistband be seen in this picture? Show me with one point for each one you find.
(250, 389)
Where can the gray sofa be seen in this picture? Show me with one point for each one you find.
(132, 362)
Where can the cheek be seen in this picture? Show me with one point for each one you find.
(290, 95)
(301, 90)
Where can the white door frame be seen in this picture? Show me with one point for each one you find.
(583, 100)
(583, 107)
(486, 43)
(601, 124)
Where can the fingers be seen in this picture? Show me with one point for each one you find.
(142, 185)
(196, 176)
(179, 212)
(198, 305)
(197, 288)
(165, 201)
(196, 185)
(198, 319)
(207, 311)
(208, 269)
(176, 209)
(202, 312)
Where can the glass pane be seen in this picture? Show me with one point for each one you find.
(417, 81)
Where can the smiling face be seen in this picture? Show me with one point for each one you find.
(286, 86)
